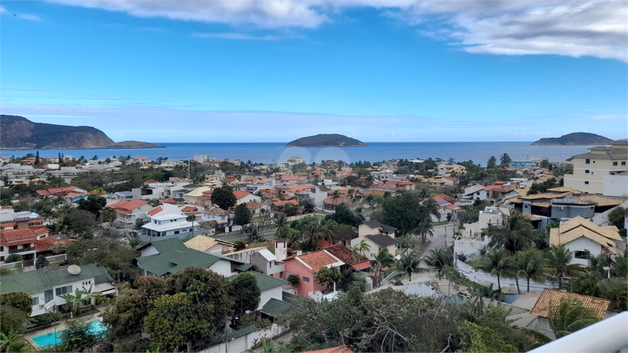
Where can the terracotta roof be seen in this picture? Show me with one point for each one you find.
(127, 206)
(20, 236)
(56, 191)
(552, 297)
(154, 211)
(45, 244)
(151, 181)
(331, 201)
(170, 201)
(345, 254)
(254, 205)
(317, 259)
(217, 212)
(280, 203)
(241, 194)
(188, 209)
(339, 349)
(444, 197)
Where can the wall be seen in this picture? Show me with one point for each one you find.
(487, 278)
(616, 185)
(571, 211)
(246, 342)
(222, 267)
(296, 268)
(582, 244)
(268, 295)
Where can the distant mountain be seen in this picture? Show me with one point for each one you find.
(134, 144)
(574, 139)
(326, 140)
(17, 132)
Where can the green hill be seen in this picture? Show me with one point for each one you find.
(574, 139)
(326, 140)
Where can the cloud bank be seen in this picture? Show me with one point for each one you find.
(523, 27)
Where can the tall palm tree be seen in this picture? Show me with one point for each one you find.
(430, 207)
(440, 258)
(7, 340)
(531, 265)
(408, 264)
(406, 242)
(424, 228)
(382, 260)
(327, 229)
(515, 235)
(498, 263)
(559, 259)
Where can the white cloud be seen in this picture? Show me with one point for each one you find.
(236, 36)
(2, 10)
(29, 17)
(522, 27)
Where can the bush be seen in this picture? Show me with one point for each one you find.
(13, 258)
(47, 318)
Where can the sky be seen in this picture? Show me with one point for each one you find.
(277, 70)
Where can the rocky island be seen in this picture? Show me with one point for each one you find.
(326, 140)
(20, 133)
(574, 139)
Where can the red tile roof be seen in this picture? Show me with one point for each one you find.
(46, 244)
(56, 191)
(254, 205)
(241, 194)
(346, 255)
(22, 236)
(154, 211)
(151, 181)
(127, 206)
(318, 259)
(170, 201)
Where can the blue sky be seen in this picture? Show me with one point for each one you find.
(276, 70)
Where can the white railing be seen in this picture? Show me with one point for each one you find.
(482, 277)
(610, 335)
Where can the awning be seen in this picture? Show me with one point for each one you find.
(105, 288)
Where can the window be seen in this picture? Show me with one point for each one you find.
(63, 290)
(586, 171)
(270, 264)
(582, 254)
(35, 300)
(2, 258)
(1, 248)
(623, 163)
(586, 182)
(176, 232)
(587, 161)
(306, 279)
(614, 163)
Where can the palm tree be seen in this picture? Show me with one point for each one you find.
(496, 262)
(7, 339)
(565, 317)
(515, 235)
(362, 247)
(382, 260)
(531, 265)
(409, 263)
(406, 242)
(77, 298)
(440, 258)
(335, 195)
(424, 228)
(558, 259)
(430, 207)
(327, 229)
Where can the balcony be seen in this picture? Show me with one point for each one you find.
(15, 251)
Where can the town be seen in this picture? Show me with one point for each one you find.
(128, 254)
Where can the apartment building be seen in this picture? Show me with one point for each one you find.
(603, 170)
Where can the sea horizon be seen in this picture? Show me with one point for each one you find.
(267, 152)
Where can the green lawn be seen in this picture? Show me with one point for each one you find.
(439, 223)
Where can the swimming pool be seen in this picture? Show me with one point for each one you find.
(54, 338)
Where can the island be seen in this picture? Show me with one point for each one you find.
(19, 133)
(574, 139)
(326, 140)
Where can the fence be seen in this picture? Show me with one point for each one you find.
(484, 278)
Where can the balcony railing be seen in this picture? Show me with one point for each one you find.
(13, 251)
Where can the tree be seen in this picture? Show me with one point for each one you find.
(224, 198)
(477, 338)
(617, 217)
(8, 340)
(18, 300)
(108, 215)
(327, 276)
(41, 262)
(294, 281)
(80, 222)
(407, 211)
(14, 258)
(308, 204)
(174, 323)
(559, 259)
(37, 161)
(78, 336)
(515, 235)
(496, 262)
(531, 265)
(383, 259)
(93, 204)
(424, 228)
(439, 258)
(492, 163)
(245, 292)
(76, 299)
(504, 160)
(362, 247)
(408, 264)
(343, 215)
(138, 224)
(13, 319)
(242, 215)
(253, 234)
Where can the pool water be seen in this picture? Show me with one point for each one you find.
(54, 338)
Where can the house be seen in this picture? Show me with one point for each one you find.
(475, 192)
(129, 211)
(347, 256)
(209, 245)
(194, 195)
(165, 208)
(19, 220)
(60, 192)
(376, 242)
(270, 287)
(306, 266)
(258, 208)
(585, 239)
(500, 190)
(168, 226)
(47, 286)
(167, 257)
(551, 298)
(375, 227)
(602, 170)
(244, 197)
(330, 203)
(21, 242)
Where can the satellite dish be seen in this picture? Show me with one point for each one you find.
(74, 270)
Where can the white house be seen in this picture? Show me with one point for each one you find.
(377, 242)
(46, 287)
(168, 226)
(129, 211)
(267, 263)
(475, 192)
(375, 227)
(244, 197)
(585, 239)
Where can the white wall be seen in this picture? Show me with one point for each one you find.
(222, 267)
(616, 185)
(582, 244)
(268, 295)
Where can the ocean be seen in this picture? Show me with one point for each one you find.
(478, 152)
